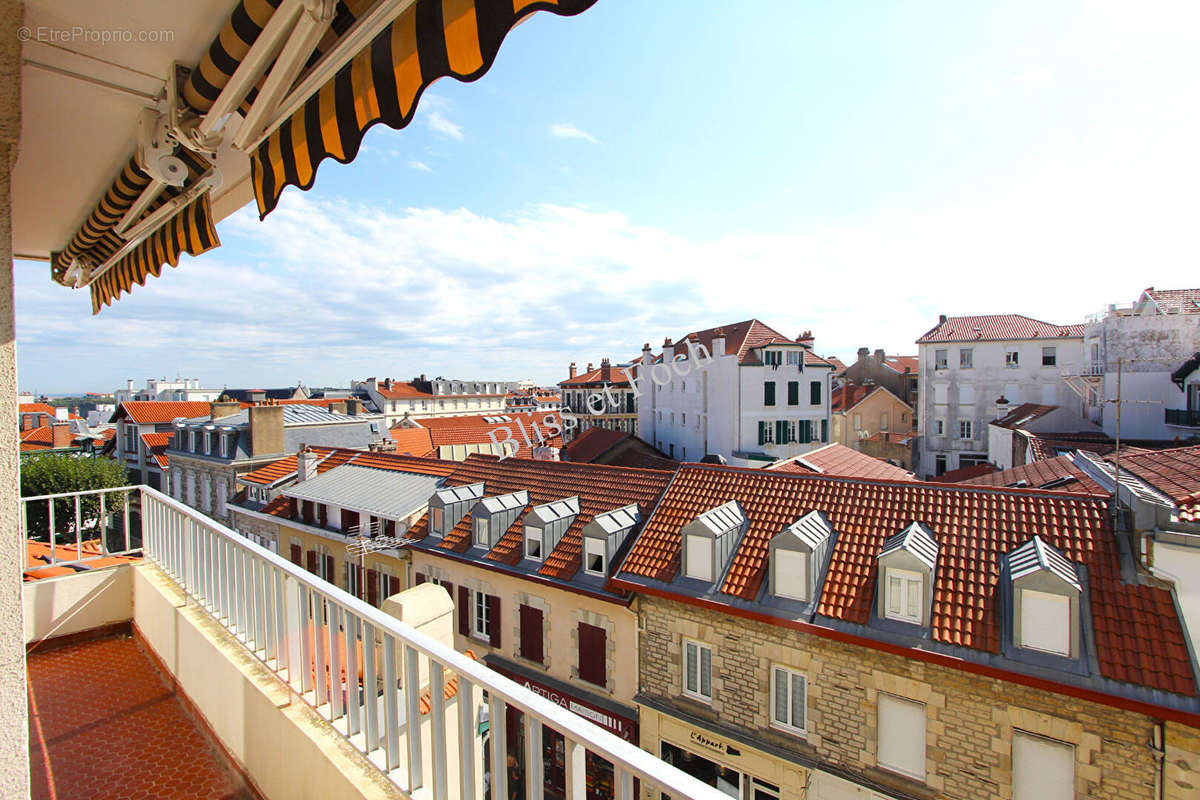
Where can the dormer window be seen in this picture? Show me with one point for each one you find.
(481, 532)
(709, 540)
(906, 569)
(435, 519)
(448, 506)
(594, 557)
(1045, 598)
(494, 515)
(603, 536)
(533, 543)
(796, 553)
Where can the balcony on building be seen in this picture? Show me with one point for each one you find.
(1183, 417)
(171, 656)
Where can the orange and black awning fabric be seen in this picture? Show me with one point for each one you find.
(206, 81)
(431, 40)
(190, 231)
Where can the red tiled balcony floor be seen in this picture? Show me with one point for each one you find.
(104, 724)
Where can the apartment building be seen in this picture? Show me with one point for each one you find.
(533, 400)
(208, 452)
(506, 434)
(180, 390)
(140, 426)
(969, 365)
(526, 548)
(898, 374)
(601, 398)
(1155, 345)
(873, 420)
(744, 392)
(832, 638)
(439, 397)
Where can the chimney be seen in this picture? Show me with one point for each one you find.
(863, 352)
(941, 319)
(879, 355)
(60, 434)
(266, 430)
(28, 421)
(605, 370)
(337, 407)
(718, 343)
(306, 464)
(129, 384)
(224, 408)
(590, 367)
(647, 361)
(572, 371)
(354, 406)
(805, 338)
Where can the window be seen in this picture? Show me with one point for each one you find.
(966, 429)
(221, 493)
(791, 570)
(883, 421)
(773, 358)
(903, 595)
(793, 389)
(941, 359)
(481, 623)
(683, 418)
(532, 633)
(1012, 359)
(939, 465)
(481, 531)
(1049, 356)
(699, 557)
(966, 358)
(1043, 769)
(769, 393)
(435, 519)
(814, 393)
(793, 358)
(533, 543)
(593, 556)
(901, 732)
(1046, 622)
(766, 433)
(939, 427)
(858, 422)
(593, 654)
(697, 670)
(789, 695)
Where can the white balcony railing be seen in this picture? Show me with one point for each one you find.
(308, 632)
(78, 527)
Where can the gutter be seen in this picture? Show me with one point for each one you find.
(1149, 709)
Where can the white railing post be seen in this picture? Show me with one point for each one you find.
(412, 717)
(576, 769)
(496, 732)
(293, 632)
(466, 739)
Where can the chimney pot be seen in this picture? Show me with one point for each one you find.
(590, 367)
(942, 319)
(879, 356)
(572, 371)
(863, 352)
(667, 342)
(60, 434)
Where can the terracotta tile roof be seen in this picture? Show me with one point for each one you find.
(902, 363)
(413, 441)
(618, 376)
(401, 390)
(838, 366)
(41, 438)
(1176, 301)
(965, 473)
(281, 506)
(997, 327)
(838, 459)
(1174, 472)
(891, 437)
(1026, 412)
(592, 443)
(1037, 474)
(145, 412)
(37, 558)
(847, 396)
(600, 488)
(156, 446)
(1048, 445)
(742, 337)
(476, 429)
(1138, 635)
(36, 408)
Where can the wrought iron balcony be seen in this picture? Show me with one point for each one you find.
(1183, 417)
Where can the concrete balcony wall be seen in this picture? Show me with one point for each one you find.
(70, 604)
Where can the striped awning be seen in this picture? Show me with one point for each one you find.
(432, 39)
(190, 231)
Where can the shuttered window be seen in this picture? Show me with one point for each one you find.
(297, 554)
(793, 392)
(593, 653)
(531, 633)
(464, 610)
(769, 393)
(1043, 769)
(901, 732)
(814, 393)
(493, 615)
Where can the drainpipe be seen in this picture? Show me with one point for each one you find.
(1160, 757)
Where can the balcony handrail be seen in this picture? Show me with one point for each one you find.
(301, 603)
(82, 556)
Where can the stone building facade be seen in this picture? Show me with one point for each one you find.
(971, 719)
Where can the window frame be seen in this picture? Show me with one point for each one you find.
(768, 394)
(437, 516)
(907, 578)
(815, 393)
(481, 627)
(1050, 356)
(1061, 602)
(698, 692)
(939, 427)
(1012, 359)
(539, 540)
(590, 542)
(480, 529)
(941, 358)
(969, 429)
(882, 699)
(790, 674)
(966, 358)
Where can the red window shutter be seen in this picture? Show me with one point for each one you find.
(329, 569)
(592, 654)
(419, 579)
(389, 527)
(307, 510)
(310, 560)
(297, 555)
(393, 585)
(322, 513)
(464, 611)
(493, 611)
(372, 587)
(449, 587)
(531, 633)
(349, 519)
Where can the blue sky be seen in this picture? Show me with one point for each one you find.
(646, 169)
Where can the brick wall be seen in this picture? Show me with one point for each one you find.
(970, 718)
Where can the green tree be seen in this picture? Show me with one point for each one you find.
(55, 473)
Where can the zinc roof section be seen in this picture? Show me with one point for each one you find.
(916, 539)
(556, 510)
(812, 529)
(723, 519)
(457, 494)
(619, 519)
(505, 502)
(1138, 634)
(1036, 556)
(381, 493)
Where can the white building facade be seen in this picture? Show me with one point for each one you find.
(439, 397)
(968, 364)
(1147, 343)
(744, 392)
(178, 390)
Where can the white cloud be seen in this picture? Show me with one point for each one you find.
(438, 123)
(420, 166)
(565, 130)
(1037, 73)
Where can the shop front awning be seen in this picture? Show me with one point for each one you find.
(282, 86)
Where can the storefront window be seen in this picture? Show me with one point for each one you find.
(725, 779)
